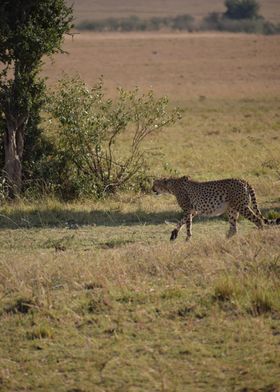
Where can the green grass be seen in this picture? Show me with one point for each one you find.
(94, 297)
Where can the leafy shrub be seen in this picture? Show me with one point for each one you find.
(92, 157)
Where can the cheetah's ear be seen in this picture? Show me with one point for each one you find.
(186, 178)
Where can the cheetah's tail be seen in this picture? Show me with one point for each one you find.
(257, 210)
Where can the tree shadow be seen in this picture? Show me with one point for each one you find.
(66, 218)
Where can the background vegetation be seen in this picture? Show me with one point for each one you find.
(135, 23)
(214, 21)
(240, 16)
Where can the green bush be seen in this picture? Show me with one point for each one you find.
(99, 140)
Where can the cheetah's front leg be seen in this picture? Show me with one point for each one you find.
(189, 227)
(187, 220)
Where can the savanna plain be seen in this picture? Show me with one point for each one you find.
(93, 295)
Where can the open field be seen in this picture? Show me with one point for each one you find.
(94, 297)
(94, 9)
(182, 66)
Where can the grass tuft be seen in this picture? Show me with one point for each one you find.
(133, 297)
(172, 293)
(261, 302)
(92, 286)
(272, 214)
(224, 290)
(20, 305)
(99, 303)
(39, 332)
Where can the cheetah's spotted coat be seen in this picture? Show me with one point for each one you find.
(213, 198)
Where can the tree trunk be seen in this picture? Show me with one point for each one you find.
(13, 144)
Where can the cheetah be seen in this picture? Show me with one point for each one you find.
(213, 198)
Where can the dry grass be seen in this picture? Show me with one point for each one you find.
(93, 9)
(138, 317)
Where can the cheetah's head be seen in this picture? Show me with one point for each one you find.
(161, 186)
(169, 185)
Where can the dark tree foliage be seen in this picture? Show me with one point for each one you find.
(29, 29)
(241, 9)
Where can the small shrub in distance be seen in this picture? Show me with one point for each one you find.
(219, 22)
(183, 22)
(241, 9)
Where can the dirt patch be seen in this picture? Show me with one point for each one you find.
(180, 65)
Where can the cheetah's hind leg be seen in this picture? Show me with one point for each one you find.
(247, 212)
(232, 217)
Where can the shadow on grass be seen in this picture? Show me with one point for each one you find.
(59, 217)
